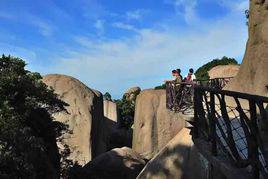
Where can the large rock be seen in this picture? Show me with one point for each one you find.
(222, 71)
(154, 124)
(110, 115)
(110, 110)
(178, 159)
(132, 93)
(116, 136)
(119, 163)
(85, 117)
(253, 74)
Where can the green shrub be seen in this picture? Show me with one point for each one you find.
(107, 96)
(163, 86)
(126, 110)
(202, 72)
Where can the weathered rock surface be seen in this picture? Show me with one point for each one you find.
(110, 117)
(116, 136)
(85, 118)
(132, 93)
(120, 137)
(222, 71)
(253, 74)
(110, 110)
(119, 163)
(154, 125)
(178, 159)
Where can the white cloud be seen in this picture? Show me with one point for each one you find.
(7, 16)
(21, 52)
(43, 27)
(99, 25)
(138, 14)
(92, 9)
(238, 5)
(186, 9)
(243, 5)
(146, 58)
(124, 26)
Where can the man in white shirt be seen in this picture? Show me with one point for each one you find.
(190, 77)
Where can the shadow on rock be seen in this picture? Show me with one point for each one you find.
(119, 163)
(117, 137)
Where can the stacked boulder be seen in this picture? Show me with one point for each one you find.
(222, 71)
(132, 93)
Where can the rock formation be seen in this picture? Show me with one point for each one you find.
(132, 93)
(110, 110)
(85, 117)
(116, 136)
(154, 125)
(178, 159)
(222, 71)
(110, 115)
(119, 163)
(253, 74)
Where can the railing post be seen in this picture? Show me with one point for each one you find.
(254, 149)
(167, 96)
(196, 118)
(212, 124)
(227, 126)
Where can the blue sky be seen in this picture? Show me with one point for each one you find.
(112, 45)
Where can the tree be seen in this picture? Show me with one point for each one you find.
(27, 130)
(163, 86)
(126, 110)
(107, 96)
(202, 72)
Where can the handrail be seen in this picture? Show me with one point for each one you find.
(234, 93)
(180, 95)
(233, 131)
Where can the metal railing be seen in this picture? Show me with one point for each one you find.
(179, 97)
(219, 83)
(231, 124)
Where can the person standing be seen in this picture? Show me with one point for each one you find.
(190, 77)
(173, 89)
(179, 73)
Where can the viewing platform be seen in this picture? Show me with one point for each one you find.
(228, 128)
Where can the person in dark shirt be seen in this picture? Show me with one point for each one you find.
(173, 90)
(177, 77)
(179, 71)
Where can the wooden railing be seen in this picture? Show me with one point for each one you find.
(230, 122)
